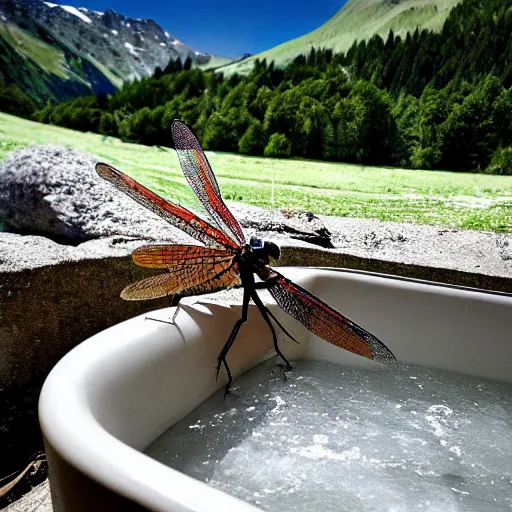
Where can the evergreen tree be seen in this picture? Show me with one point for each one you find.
(429, 100)
(278, 146)
(253, 141)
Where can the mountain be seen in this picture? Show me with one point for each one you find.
(357, 20)
(60, 52)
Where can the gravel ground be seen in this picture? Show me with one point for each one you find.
(37, 500)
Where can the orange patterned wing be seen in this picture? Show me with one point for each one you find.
(172, 213)
(170, 256)
(324, 321)
(200, 177)
(188, 279)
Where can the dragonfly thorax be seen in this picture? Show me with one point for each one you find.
(264, 249)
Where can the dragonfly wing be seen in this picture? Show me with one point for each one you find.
(170, 256)
(324, 321)
(226, 280)
(191, 279)
(153, 287)
(174, 214)
(200, 177)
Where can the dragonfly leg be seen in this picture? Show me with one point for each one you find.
(265, 314)
(174, 301)
(230, 378)
(221, 359)
(279, 324)
(264, 286)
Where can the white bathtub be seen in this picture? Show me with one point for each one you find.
(113, 395)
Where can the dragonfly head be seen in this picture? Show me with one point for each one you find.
(265, 249)
(272, 250)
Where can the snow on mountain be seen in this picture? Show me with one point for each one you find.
(62, 51)
(135, 48)
(76, 12)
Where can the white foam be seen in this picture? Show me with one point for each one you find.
(50, 4)
(320, 439)
(456, 450)
(115, 32)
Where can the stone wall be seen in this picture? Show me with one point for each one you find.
(51, 301)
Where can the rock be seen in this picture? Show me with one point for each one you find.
(55, 192)
(506, 254)
(282, 224)
(465, 250)
(504, 245)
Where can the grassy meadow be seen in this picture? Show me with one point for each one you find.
(464, 200)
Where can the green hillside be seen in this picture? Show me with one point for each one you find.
(357, 20)
(49, 58)
(430, 100)
(46, 69)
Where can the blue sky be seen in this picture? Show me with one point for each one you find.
(226, 28)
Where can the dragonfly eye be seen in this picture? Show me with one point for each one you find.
(256, 243)
(273, 250)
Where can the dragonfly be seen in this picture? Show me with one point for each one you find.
(226, 260)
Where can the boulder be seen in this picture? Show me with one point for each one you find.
(282, 224)
(55, 192)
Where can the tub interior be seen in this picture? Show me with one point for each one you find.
(348, 439)
(138, 393)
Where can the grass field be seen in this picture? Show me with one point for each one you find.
(471, 201)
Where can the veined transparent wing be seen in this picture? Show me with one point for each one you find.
(201, 178)
(174, 214)
(324, 321)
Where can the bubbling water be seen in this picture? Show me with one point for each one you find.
(333, 438)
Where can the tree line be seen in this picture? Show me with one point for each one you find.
(426, 101)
